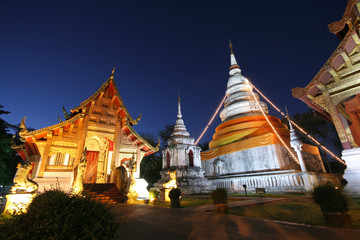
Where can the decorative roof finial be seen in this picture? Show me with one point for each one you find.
(112, 73)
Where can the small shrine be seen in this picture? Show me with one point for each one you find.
(103, 126)
(181, 159)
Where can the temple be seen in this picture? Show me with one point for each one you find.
(103, 126)
(182, 158)
(252, 149)
(334, 92)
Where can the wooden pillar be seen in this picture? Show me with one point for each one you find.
(81, 136)
(45, 155)
(138, 161)
(336, 120)
(115, 161)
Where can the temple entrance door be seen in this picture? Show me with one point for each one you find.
(352, 107)
(91, 166)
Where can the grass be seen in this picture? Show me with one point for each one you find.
(270, 195)
(297, 211)
(189, 202)
(355, 212)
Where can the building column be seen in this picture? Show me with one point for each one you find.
(45, 155)
(81, 136)
(336, 120)
(115, 161)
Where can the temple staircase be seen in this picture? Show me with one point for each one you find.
(106, 193)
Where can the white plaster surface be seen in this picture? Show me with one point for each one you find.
(352, 172)
(51, 182)
(264, 158)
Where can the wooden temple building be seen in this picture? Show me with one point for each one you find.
(102, 125)
(334, 92)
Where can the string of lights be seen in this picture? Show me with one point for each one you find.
(211, 120)
(298, 127)
(276, 133)
(284, 115)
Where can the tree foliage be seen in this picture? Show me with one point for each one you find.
(204, 145)
(56, 215)
(8, 157)
(325, 132)
(165, 135)
(151, 165)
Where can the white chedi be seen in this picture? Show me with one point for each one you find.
(183, 157)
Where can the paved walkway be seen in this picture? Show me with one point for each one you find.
(155, 222)
(238, 201)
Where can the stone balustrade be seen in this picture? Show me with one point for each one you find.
(275, 181)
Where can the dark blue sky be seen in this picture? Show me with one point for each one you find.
(58, 53)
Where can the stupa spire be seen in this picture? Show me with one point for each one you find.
(288, 117)
(179, 106)
(233, 61)
(231, 47)
(180, 128)
(240, 100)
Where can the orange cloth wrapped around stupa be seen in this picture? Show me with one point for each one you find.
(245, 128)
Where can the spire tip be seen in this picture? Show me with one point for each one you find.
(231, 46)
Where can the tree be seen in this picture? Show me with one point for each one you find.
(8, 157)
(165, 135)
(151, 165)
(325, 132)
(204, 145)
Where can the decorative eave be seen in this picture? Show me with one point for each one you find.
(102, 88)
(336, 27)
(146, 147)
(49, 128)
(307, 93)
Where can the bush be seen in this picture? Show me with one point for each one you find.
(330, 199)
(174, 196)
(219, 196)
(55, 215)
(154, 193)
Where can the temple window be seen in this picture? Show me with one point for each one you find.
(60, 159)
(191, 158)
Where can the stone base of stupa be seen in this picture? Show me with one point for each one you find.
(255, 159)
(190, 180)
(268, 167)
(281, 181)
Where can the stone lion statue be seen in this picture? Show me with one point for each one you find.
(22, 184)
